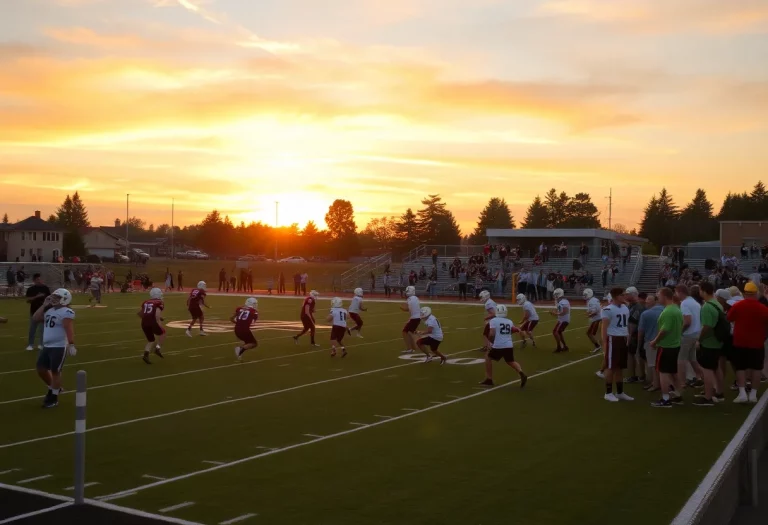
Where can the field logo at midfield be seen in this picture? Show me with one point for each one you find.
(222, 326)
(459, 361)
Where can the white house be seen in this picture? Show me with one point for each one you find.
(31, 239)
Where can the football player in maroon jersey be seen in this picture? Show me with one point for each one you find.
(151, 323)
(308, 318)
(195, 299)
(244, 317)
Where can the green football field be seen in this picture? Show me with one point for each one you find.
(291, 435)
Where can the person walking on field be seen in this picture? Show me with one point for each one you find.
(281, 283)
(667, 344)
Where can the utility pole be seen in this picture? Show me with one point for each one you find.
(127, 195)
(172, 245)
(610, 207)
(276, 205)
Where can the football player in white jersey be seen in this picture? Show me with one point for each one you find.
(338, 317)
(594, 316)
(355, 307)
(432, 336)
(413, 307)
(563, 313)
(615, 332)
(490, 313)
(502, 346)
(530, 319)
(58, 341)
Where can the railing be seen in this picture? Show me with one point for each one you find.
(714, 252)
(638, 271)
(350, 279)
(732, 481)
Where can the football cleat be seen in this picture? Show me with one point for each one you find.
(625, 397)
(610, 397)
(203, 333)
(486, 382)
(188, 332)
(343, 353)
(523, 379)
(145, 358)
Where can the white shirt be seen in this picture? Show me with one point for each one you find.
(304, 278)
(528, 308)
(354, 307)
(503, 332)
(96, 283)
(617, 317)
(414, 308)
(437, 330)
(339, 317)
(562, 315)
(593, 308)
(689, 306)
(54, 335)
(490, 304)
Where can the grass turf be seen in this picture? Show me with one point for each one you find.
(554, 453)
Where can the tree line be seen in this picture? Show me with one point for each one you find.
(663, 223)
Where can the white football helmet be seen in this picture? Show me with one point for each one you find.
(410, 291)
(336, 302)
(501, 310)
(485, 295)
(521, 299)
(251, 302)
(608, 297)
(155, 293)
(631, 291)
(426, 312)
(61, 297)
(588, 294)
(358, 292)
(558, 293)
(201, 285)
(313, 294)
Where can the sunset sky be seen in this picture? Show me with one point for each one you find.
(234, 104)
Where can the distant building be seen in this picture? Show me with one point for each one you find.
(31, 238)
(105, 241)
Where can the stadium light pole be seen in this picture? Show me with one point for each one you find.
(276, 205)
(127, 196)
(172, 210)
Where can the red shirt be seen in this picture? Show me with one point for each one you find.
(244, 317)
(195, 297)
(309, 301)
(148, 309)
(750, 323)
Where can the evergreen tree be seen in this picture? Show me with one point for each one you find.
(536, 216)
(5, 218)
(735, 207)
(557, 208)
(73, 244)
(79, 215)
(406, 231)
(660, 220)
(758, 202)
(697, 220)
(436, 224)
(496, 214)
(581, 213)
(64, 213)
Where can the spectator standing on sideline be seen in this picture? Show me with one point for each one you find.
(20, 276)
(387, 287)
(10, 277)
(296, 283)
(168, 280)
(583, 254)
(709, 348)
(434, 257)
(691, 310)
(647, 329)
(636, 306)
(36, 295)
(223, 280)
(750, 328)
(667, 344)
(281, 283)
(270, 284)
(249, 280)
(462, 276)
(179, 284)
(303, 280)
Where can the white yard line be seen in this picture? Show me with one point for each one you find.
(9, 471)
(148, 476)
(177, 507)
(31, 480)
(86, 485)
(213, 462)
(228, 401)
(117, 496)
(36, 513)
(409, 409)
(237, 519)
(382, 416)
(313, 435)
(359, 427)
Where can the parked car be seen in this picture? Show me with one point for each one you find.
(120, 258)
(196, 254)
(247, 258)
(294, 259)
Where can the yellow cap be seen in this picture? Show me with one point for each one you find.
(750, 287)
